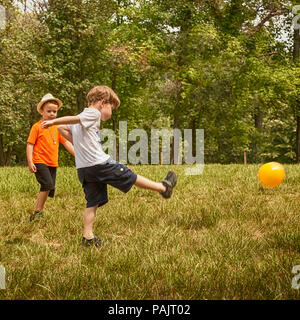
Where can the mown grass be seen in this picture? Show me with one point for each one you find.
(221, 236)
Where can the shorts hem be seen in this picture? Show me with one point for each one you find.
(46, 189)
(132, 184)
(99, 204)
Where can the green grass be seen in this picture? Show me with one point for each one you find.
(221, 236)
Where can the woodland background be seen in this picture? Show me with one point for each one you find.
(229, 67)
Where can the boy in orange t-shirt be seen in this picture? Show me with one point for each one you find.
(42, 151)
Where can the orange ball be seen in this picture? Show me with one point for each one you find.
(271, 174)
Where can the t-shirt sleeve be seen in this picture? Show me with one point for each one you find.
(61, 138)
(89, 118)
(33, 134)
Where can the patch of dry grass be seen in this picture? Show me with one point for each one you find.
(220, 236)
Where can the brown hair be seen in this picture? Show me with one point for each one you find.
(99, 93)
(49, 101)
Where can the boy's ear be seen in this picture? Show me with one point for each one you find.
(101, 103)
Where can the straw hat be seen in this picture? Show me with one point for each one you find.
(48, 97)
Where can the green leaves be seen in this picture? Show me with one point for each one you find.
(185, 64)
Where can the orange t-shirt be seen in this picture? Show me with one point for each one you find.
(46, 143)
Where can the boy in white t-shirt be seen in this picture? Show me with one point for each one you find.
(94, 167)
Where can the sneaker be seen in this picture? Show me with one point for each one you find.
(169, 182)
(36, 213)
(92, 242)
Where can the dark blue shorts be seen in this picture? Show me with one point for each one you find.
(95, 179)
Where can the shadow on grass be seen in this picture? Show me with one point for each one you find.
(16, 241)
(286, 240)
(195, 220)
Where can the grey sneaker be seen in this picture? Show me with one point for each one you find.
(36, 213)
(91, 242)
(169, 182)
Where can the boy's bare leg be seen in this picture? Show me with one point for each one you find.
(39, 206)
(145, 183)
(88, 221)
(41, 199)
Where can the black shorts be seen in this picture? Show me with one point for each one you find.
(46, 177)
(95, 179)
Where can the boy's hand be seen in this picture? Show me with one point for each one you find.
(32, 167)
(47, 123)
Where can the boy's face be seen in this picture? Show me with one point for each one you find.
(106, 111)
(49, 111)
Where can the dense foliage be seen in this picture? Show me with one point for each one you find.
(228, 67)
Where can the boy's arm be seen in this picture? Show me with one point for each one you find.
(69, 147)
(65, 132)
(29, 153)
(62, 120)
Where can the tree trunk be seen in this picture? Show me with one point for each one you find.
(296, 55)
(115, 128)
(258, 120)
(296, 52)
(176, 125)
(2, 158)
(298, 140)
(5, 157)
(181, 61)
(115, 117)
(80, 101)
(8, 156)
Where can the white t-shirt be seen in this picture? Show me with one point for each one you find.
(86, 139)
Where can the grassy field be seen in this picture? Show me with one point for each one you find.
(221, 236)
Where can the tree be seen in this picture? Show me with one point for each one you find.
(21, 82)
(216, 65)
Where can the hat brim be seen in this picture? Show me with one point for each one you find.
(39, 106)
